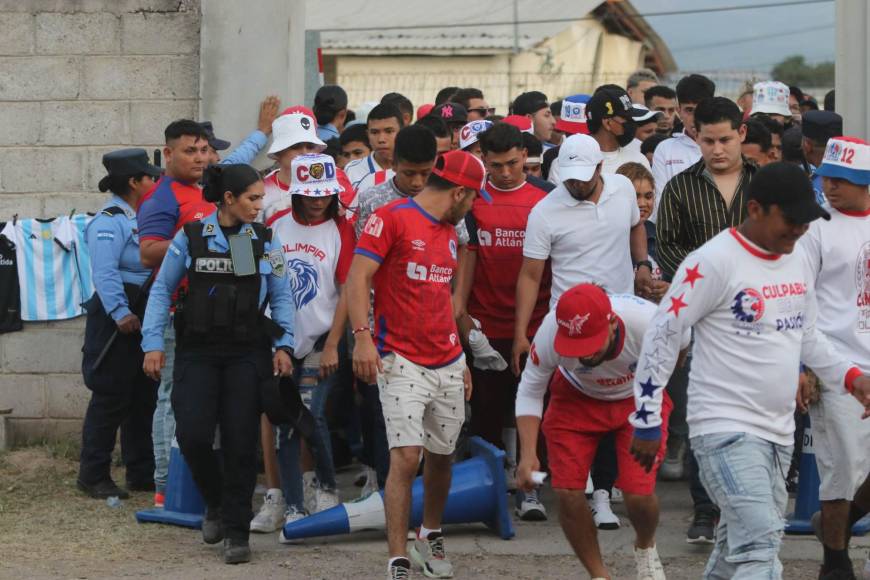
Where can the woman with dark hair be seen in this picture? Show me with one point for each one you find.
(234, 269)
(317, 262)
(122, 397)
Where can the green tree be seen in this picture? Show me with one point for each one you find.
(794, 70)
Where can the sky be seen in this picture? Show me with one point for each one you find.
(753, 39)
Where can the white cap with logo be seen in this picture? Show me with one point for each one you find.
(292, 129)
(770, 97)
(579, 155)
(314, 176)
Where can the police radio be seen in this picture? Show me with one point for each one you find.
(242, 255)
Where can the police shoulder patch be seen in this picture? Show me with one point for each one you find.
(209, 228)
(276, 259)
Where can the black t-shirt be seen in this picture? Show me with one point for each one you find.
(10, 297)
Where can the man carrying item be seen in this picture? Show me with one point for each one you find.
(838, 254)
(408, 252)
(750, 302)
(587, 350)
(486, 294)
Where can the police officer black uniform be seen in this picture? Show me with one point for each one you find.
(234, 268)
(122, 395)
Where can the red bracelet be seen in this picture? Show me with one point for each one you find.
(361, 329)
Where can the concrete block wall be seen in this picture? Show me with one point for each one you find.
(78, 78)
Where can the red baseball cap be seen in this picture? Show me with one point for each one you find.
(424, 110)
(521, 122)
(464, 169)
(583, 316)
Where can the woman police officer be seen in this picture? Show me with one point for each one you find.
(122, 395)
(234, 268)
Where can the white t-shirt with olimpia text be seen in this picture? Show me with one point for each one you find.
(318, 258)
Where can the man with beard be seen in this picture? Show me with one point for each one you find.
(590, 345)
(408, 252)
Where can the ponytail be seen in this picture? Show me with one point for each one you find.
(235, 178)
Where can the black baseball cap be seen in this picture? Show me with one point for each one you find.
(821, 125)
(530, 103)
(451, 113)
(786, 185)
(127, 163)
(214, 142)
(611, 102)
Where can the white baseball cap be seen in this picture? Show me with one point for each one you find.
(292, 129)
(579, 155)
(770, 97)
(645, 115)
(314, 175)
(469, 133)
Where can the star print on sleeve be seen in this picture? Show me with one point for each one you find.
(642, 414)
(693, 275)
(664, 332)
(653, 361)
(648, 388)
(677, 304)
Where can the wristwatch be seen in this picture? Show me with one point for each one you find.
(646, 263)
(286, 349)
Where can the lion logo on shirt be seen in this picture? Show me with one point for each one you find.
(303, 281)
(748, 306)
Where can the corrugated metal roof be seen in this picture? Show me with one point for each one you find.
(432, 42)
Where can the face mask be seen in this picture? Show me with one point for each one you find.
(629, 128)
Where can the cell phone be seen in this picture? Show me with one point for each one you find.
(242, 254)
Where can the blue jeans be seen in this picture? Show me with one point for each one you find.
(745, 476)
(288, 441)
(163, 423)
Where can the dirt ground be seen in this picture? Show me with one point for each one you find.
(50, 530)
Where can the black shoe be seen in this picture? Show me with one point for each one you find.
(102, 489)
(212, 526)
(236, 551)
(703, 528)
(838, 574)
(142, 486)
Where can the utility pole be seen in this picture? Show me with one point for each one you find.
(852, 61)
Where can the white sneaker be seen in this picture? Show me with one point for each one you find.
(271, 515)
(529, 507)
(309, 486)
(649, 567)
(486, 358)
(291, 516)
(616, 495)
(429, 555)
(604, 517)
(371, 484)
(325, 499)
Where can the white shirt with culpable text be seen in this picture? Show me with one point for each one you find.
(753, 314)
(838, 254)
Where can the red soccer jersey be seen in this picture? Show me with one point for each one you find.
(413, 311)
(497, 232)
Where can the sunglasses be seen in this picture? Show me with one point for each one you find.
(483, 112)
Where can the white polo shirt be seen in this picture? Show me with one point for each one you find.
(671, 157)
(585, 241)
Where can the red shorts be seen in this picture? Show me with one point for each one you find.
(574, 424)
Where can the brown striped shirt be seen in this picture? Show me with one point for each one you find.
(692, 211)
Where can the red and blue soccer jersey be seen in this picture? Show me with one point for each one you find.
(496, 232)
(413, 310)
(165, 209)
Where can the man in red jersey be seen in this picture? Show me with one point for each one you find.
(486, 301)
(408, 251)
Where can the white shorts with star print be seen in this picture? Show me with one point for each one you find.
(422, 407)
